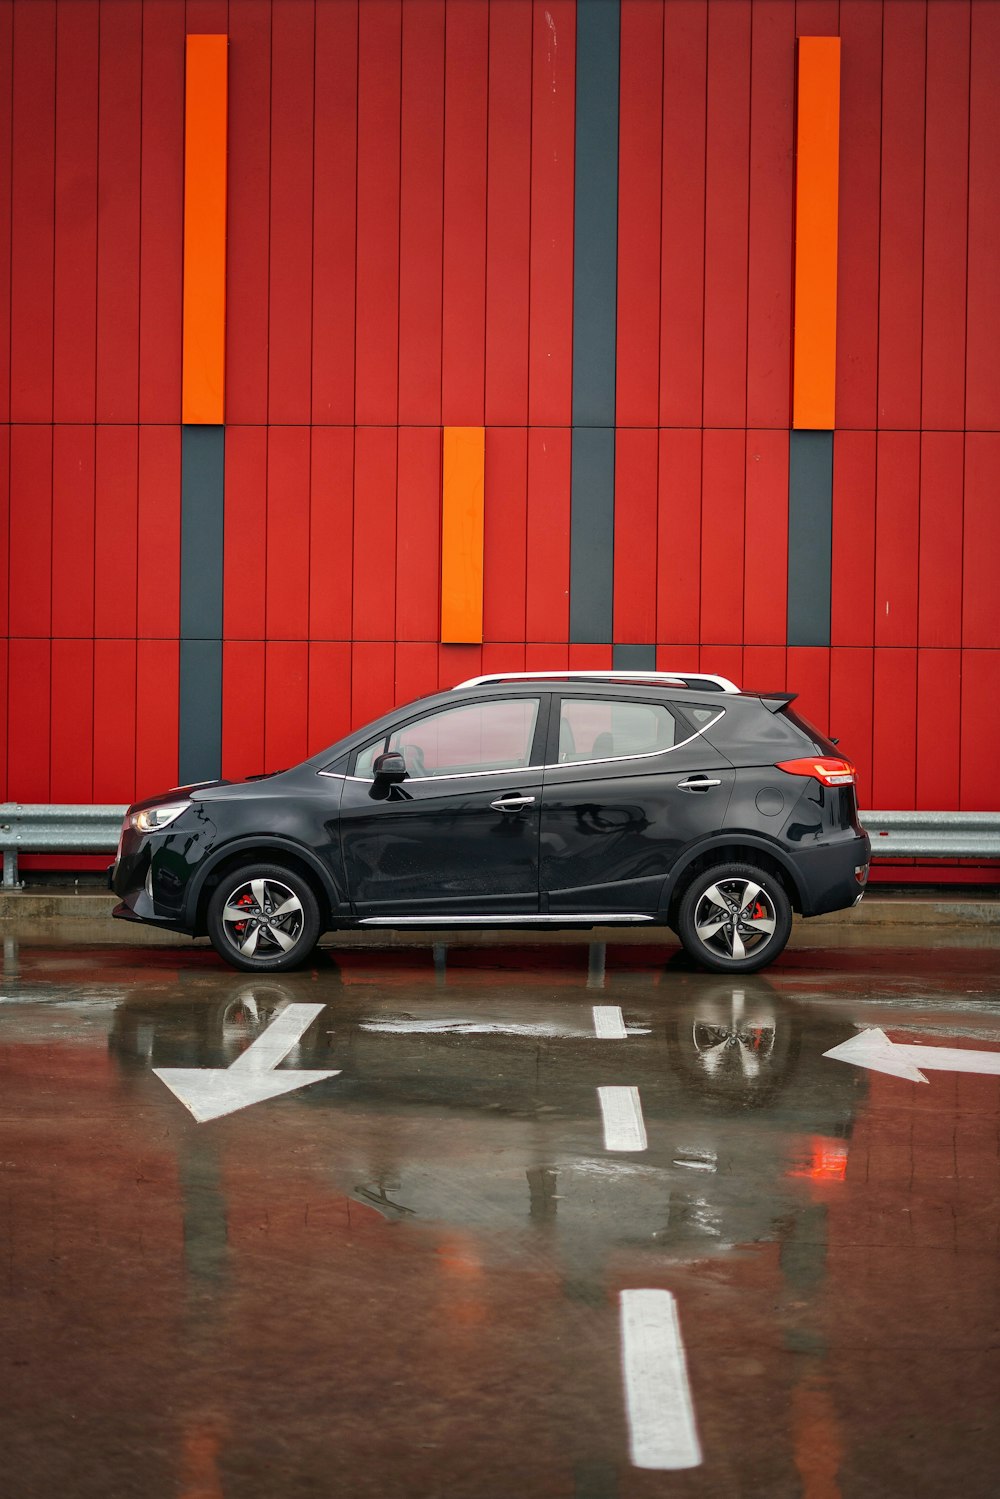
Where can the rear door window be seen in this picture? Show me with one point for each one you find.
(602, 729)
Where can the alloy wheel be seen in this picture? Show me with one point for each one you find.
(262, 918)
(735, 918)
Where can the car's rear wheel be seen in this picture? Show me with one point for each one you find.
(263, 918)
(734, 918)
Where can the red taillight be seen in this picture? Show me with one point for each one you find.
(828, 772)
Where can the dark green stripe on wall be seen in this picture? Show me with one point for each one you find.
(810, 537)
(202, 524)
(595, 303)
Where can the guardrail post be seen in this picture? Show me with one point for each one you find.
(10, 880)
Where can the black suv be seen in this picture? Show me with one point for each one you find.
(532, 799)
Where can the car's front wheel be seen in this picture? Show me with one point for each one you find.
(734, 918)
(263, 918)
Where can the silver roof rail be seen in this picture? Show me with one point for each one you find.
(685, 678)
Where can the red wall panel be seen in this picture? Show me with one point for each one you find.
(243, 708)
(156, 715)
(245, 558)
(72, 723)
(114, 720)
(505, 533)
(376, 357)
(291, 227)
(852, 596)
(640, 143)
(330, 533)
(682, 270)
(6, 166)
(32, 232)
(29, 699)
(894, 725)
(73, 531)
(678, 536)
(286, 703)
(463, 314)
(116, 512)
(765, 542)
(248, 186)
(902, 213)
(553, 87)
(852, 687)
(418, 542)
(373, 680)
(946, 211)
(939, 697)
(636, 463)
(808, 671)
(723, 500)
(416, 669)
(30, 531)
(161, 225)
(75, 284)
(334, 212)
(727, 186)
(119, 168)
(159, 532)
(980, 593)
(508, 213)
(980, 694)
(329, 692)
(982, 395)
(940, 530)
(898, 488)
(288, 494)
(374, 533)
(547, 577)
(771, 209)
(421, 211)
(858, 227)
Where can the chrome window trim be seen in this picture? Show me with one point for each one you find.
(471, 775)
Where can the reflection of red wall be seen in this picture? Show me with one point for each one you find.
(400, 257)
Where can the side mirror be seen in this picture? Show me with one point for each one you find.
(390, 767)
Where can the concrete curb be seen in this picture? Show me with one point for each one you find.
(40, 916)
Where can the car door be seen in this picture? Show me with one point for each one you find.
(459, 836)
(630, 782)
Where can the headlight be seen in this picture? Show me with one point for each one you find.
(151, 819)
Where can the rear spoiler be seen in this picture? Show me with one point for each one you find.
(775, 701)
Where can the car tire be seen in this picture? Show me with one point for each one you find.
(707, 921)
(282, 923)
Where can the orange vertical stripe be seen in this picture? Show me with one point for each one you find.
(203, 389)
(816, 191)
(462, 536)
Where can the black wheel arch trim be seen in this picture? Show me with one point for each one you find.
(265, 845)
(738, 839)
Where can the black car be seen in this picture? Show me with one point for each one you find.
(571, 799)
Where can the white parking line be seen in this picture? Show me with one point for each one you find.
(608, 1023)
(621, 1110)
(658, 1405)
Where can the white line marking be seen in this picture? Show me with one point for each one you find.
(872, 1048)
(658, 1405)
(623, 1123)
(608, 1023)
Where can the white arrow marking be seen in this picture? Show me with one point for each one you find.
(608, 1023)
(873, 1049)
(210, 1092)
(621, 1110)
(662, 1430)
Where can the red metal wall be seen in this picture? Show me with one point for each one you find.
(401, 209)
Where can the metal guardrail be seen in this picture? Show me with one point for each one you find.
(933, 835)
(55, 828)
(83, 829)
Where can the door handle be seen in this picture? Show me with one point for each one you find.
(512, 803)
(697, 783)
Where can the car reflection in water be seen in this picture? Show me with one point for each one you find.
(476, 1106)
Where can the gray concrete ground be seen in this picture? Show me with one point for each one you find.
(565, 1219)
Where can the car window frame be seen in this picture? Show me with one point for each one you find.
(684, 723)
(538, 741)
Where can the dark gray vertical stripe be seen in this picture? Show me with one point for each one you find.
(592, 535)
(810, 537)
(595, 243)
(202, 517)
(595, 301)
(634, 658)
(200, 748)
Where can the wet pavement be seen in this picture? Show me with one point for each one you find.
(558, 1221)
